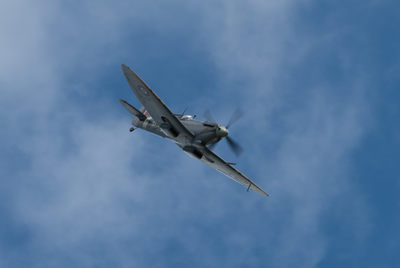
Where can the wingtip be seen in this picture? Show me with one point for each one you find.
(259, 190)
(124, 67)
(264, 193)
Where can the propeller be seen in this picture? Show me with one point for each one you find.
(209, 116)
(237, 114)
(233, 145)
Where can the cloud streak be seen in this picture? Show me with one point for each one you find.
(87, 193)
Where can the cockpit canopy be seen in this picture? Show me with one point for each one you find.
(187, 117)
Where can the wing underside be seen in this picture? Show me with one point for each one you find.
(214, 161)
(157, 109)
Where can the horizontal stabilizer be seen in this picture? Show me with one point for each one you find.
(133, 110)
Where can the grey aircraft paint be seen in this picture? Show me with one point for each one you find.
(191, 135)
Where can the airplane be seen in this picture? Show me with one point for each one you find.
(196, 138)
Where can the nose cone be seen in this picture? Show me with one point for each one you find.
(222, 132)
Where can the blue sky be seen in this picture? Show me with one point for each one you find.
(318, 81)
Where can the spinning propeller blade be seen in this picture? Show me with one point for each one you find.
(237, 114)
(233, 145)
(209, 116)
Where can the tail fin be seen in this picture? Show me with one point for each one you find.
(133, 110)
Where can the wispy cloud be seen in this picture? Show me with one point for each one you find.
(314, 126)
(88, 193)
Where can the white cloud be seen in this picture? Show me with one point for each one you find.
(92, 194)
(256, 48)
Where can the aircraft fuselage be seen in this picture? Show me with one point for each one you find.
(204, 132)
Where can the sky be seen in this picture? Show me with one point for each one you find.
(319, 86)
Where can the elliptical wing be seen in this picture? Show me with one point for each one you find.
(214, 161)
(157, 109)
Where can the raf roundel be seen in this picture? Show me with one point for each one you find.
(143, 90)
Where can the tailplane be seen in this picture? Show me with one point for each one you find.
(133, 110)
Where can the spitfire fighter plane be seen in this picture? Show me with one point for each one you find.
(196, 138)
